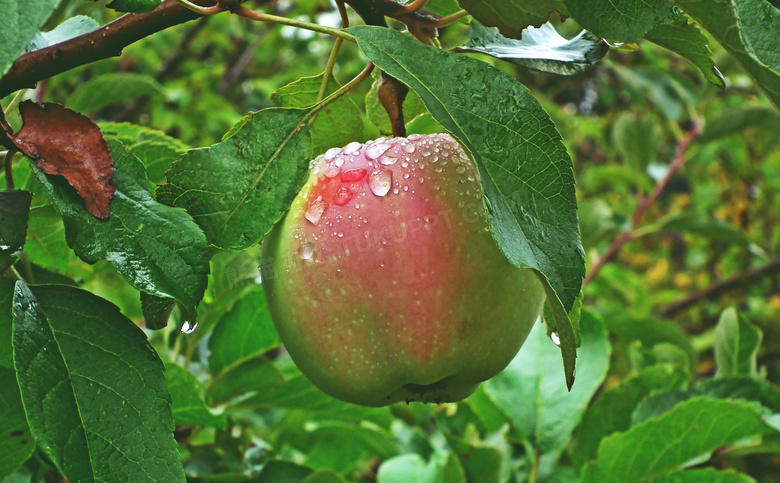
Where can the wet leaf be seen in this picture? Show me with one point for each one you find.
(14, 212)
(541, 48)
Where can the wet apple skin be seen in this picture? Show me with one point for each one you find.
(396, 293)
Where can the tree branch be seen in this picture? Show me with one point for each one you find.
(737, 281)
(107, 41)
(677, 163)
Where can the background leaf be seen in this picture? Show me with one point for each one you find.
(534, 397)
(736, 345)
(188, 402)
(688, 431)
(93, 388)
(18, 25)
(70, 28)
(612, 411)
(111, 89)
(14, 211)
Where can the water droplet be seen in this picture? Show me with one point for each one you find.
(188, 327)
(315, 211)
(380, 182)
(332, 153)
(306, 251)
(342, 196)
(353, 175)
(387, 160)
(404, 164)
(556, 340)
(332, 170)
(374, 150)
(352, 148)
(460, 170)
(340, 234)
(409, 148)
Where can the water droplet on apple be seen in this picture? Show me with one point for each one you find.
(332, 153)
(460, 170)
(352, 148)
(306, 251)
(315, 211)
(343, 196)
(380, 182)
(353, 175)
(332, 170)
(375, 150)
(408, 147)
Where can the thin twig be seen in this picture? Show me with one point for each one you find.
(333, 53)
(450, 19)
(266, 17)
(737, 281)
(677, 163)
(200, 9)
(413, 7)
(8, 161)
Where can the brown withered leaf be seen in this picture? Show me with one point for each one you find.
(68, 144)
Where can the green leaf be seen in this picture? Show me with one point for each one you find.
(737, 388)
(536, 400)
(691, 430)
(93, 388)
(299, 393)
(156, 310)
(46, 245)
(734, 120)
(70, 28)
(252, 375)
(620, 20)
(14, 211)
(525, 171)
(245, 331)
(650, 332)
(412, 467)
(443, 7)
(705, 475)
(6, 322)
(736, 345)
(324, 476)
(157, 249)
(685, 39)
(637, 139)
(542, 48)
(341, 446)
(612, 410)
(748, 30)
(107, 89)
(337, 125)
(16, 443)
(708, 227)
(188, 402)
(134, 6)
(512, 16)
(238, 189)
(18, 25)
(155, 149)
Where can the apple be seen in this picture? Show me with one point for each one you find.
(384, 280)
